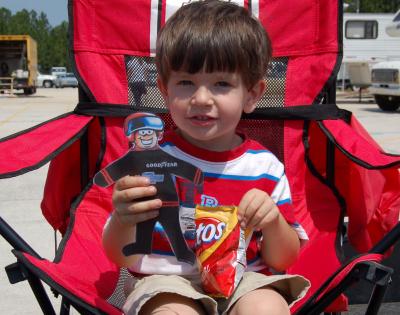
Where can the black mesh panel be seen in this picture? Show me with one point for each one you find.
(267, 132)
(143, 93)
(274, 95)
(142, 83)
(118, 297)
(270, 132)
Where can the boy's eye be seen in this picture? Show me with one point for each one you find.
(185, 82)
(223, 84)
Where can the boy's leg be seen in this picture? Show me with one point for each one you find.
(167, 295)
(255, 288)
(171, 303)
(261, 301)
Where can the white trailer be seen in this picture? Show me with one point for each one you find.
(366, 42)
(386, 75)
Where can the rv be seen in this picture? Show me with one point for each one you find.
(365, 43)
(386, 75)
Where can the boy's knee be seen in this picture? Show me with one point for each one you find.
(171, 304)
(261, 301)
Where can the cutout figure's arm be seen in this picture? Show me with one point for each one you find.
(115, 170)
(189, 172)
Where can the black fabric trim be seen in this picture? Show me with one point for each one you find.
(159, 16)
(342, 202)
(71, 54)
(327, 95)
(330, 162)
(68, 233)
(20, 133)
(330, 84)
(354, 158)
(84, 159)
(47, 158)
(300, 112)
(313, 299)
(103, 143)
(78, 200)
(111, 110)
(53, 284)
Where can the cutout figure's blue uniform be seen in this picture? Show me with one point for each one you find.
(160, 168)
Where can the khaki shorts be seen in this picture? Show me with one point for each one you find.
(139, 291)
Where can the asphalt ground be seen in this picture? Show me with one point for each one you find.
(20, 196)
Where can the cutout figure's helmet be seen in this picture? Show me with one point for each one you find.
(138, 121)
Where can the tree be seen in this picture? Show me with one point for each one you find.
(59, 43)
(373, 6)
(5, 18)
(52, 42)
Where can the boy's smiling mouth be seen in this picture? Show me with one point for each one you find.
(202, 120)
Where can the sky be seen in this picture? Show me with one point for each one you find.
(56, 10)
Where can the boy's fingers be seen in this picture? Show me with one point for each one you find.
(259, 214)
(144, 206)
(249, 206)
(146, 216)
(133, 219)
(244, 202)
(131, 181)
(251, 216)
(129, 195)
(268, 219)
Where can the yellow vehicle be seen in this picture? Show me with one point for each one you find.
(18, 62)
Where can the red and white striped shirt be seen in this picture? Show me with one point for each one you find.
(227, 177)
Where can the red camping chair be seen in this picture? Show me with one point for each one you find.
(333, 165)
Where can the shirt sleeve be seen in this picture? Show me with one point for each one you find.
(282, 197)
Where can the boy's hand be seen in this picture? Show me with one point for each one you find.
(257, 210)
(128, 208)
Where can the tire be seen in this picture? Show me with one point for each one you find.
(29, 91)
(47, 84)
(387, 103)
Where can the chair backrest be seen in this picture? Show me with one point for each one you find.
(112, 42)
(105, 44)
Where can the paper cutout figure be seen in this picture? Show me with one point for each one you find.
(146, 158)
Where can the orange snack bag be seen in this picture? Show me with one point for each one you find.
(220, 249)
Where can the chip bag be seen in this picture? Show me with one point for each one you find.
(220, 249)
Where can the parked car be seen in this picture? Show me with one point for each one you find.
(58, 70)
(67, 79)
(45, 80)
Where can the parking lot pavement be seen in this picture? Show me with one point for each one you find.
(20, 196)
(384, 127)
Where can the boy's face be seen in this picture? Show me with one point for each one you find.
(206, 107)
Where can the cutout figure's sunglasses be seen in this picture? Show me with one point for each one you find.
(153, 123)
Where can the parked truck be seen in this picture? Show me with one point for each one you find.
(18, 62)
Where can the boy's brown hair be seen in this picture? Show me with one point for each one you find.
(214, 35)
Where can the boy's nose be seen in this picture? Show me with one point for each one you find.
(202, 97)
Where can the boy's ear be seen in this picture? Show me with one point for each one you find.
(255, 94)
(162, 88)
